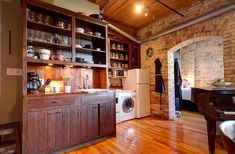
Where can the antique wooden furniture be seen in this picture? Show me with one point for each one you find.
(50, 27)
(119, 47)
(78, 47)
(227, 133)
(12, 131)
(216, 104)
(59, 121)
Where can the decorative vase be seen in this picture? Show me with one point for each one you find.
(67, 89)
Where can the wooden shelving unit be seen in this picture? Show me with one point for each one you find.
(49, 28)
(89, 36)
(63, 63)
(87, 50)
(120, 60)
(49, 45)
(63, 24)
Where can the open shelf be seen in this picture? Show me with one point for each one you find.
(64, 63)
(120, 60)
(48, 28)
(121, 51)
(87, 50)
(48, 45)
(89, 36)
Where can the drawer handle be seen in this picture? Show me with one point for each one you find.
(95, 107)
(101, 107)
(53, 102)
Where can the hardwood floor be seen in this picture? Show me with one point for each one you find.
(153, 135)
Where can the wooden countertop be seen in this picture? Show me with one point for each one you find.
(68, 94)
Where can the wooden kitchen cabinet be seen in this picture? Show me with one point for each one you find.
(48, 129)
(107, 118)
(134, 61)
(56, 122)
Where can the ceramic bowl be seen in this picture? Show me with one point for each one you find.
(45, 51)
(80, 30)
(78, 46)
(97, 34)
(44, 56)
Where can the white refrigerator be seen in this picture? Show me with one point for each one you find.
(137, 80)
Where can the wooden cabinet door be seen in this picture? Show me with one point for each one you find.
(83, 121)
(48, 130)
(107, 117)
(134, 61)
(93, 120)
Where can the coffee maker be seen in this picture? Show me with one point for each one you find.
(33, 83)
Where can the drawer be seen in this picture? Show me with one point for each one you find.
(51, 102)
(98, 98)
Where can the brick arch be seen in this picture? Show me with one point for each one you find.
(170, 61)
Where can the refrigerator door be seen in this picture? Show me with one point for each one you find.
(129, 83)
(142, 76)
(142, 100)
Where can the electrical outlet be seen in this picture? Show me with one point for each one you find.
(14, 71)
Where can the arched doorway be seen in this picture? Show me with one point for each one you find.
(170, 57)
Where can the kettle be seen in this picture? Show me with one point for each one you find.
(33, 83)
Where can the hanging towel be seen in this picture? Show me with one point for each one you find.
(159, 83)
(178, 79)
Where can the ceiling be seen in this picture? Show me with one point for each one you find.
(122, 11)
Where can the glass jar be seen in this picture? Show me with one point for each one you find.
(57, 39)
(30, 52)
(40, 18)
(47, 20)
(32, 16)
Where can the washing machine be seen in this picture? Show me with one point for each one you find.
(125, 105)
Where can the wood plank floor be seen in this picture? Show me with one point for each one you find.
(186, 135)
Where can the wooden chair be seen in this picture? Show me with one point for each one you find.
(227, 133)
(10, 138)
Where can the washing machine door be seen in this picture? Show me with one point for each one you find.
(127, 105)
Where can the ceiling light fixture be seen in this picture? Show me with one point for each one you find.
(138, 8)
(146, 11)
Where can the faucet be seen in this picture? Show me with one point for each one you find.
(85, 81)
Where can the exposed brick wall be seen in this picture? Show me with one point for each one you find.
(202, 62)
(164, 47)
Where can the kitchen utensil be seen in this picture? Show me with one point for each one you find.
(33, 82)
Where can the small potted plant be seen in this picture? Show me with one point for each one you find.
(67, 84)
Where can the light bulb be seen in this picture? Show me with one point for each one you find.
(138, 8)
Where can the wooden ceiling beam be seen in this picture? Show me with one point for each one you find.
(165, 5)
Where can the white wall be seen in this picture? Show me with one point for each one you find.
(78, 6)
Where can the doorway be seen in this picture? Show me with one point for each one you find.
(201, 62)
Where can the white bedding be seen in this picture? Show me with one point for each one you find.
(186, 93)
